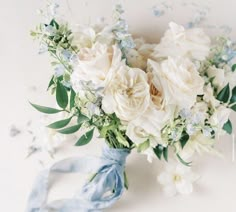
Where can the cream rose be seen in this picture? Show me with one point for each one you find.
(150, 123)
(177, 41)
(127, 93)
(180, 81)
(94, 64)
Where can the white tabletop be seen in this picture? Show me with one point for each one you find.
(25, 74)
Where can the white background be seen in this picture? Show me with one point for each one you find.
(21, 70)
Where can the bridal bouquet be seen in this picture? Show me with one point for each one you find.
(167, 100)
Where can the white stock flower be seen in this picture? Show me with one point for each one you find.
(209, 96)
(180, 81)
(218, 76)
(94, 64)
(126, 93)
(177, 178)
(192, 43)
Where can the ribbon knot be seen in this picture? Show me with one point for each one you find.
(103, 190)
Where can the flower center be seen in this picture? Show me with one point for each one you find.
(177, 178)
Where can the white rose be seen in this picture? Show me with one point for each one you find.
(127, 93)
(177, 41)
(150, 123)
(148, 126)
(180, 81)
(94, 64)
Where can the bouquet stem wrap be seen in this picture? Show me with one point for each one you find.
(104, 189)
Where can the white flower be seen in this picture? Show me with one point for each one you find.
(83, 37)
(197, 143)
(180, 81)
(138, 56)
(177, 178)
(150, 123)
(220, 117)
(192, 43)
(209, 96)
(127, 93)
(218, 76)
(94, 64)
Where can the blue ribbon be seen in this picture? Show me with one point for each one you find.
(101, 192)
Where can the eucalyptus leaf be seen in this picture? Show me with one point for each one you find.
(165, 154)
(70, 130)
(85, 139)
(143, 146)
(51, 82)
(82, 118)
(184, 139)
(233, 107)
(228, 127)
(233, 97)
(233, 67)
(183, 162)
(158, 150)
(47, 110)
(61, 96)
(60, 124)
(72, 98)
(224, 94)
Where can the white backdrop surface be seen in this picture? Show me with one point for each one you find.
(24, 76)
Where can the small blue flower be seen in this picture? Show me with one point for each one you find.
(59, 70)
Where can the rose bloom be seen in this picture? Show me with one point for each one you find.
(191, 43)
(180, 81)
(149, 124)
(126, 93)
(94, 64)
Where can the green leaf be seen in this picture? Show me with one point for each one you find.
(60, 124)
(47, 110)
(183, 162)
(165, 154)
(61, 96)
(233, 97)
(72, 98)
(126, 183)
(70, 130)
(85, 139)
(82, 118)
(158, 150)
(143, 146)
(224, 94)
(54, 24)
(184, 139)
(233, 107)
(233, 67)
(51, 82)
(228, 127)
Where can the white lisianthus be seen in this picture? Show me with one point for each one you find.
(197, 143)
(180, 81)
(127, 93)
(94, 64)
(218, 76)
(177, 178)
(220, 117)
(191, 43)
